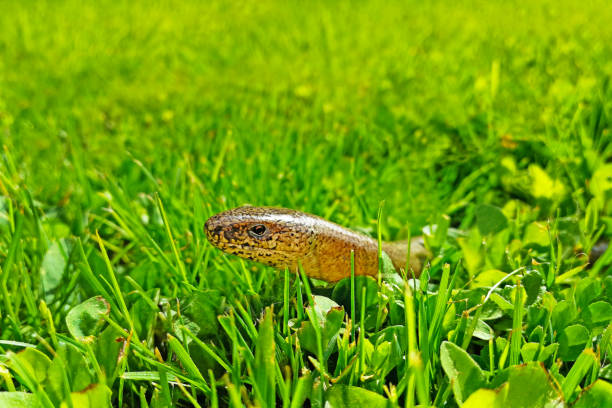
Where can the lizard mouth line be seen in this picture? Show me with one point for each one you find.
(256, 248)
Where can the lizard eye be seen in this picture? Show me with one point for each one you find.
(257, 231)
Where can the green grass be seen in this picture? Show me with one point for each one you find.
(124, 125)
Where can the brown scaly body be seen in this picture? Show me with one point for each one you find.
(281, 238)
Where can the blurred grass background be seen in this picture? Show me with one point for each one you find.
(329, 107)
(290, 98)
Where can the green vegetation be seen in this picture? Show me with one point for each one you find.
(124, 125)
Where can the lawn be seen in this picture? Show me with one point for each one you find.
(483, 125)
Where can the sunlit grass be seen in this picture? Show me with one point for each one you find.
(125, 125)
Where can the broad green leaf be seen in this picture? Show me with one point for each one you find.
(572, 340)
(107, 349)
(502, 302)
(597, 395)
(18, 400)
(53, 267)
(94, 396)
(182, 323)
(69, 371)
(380, 355)
(394, 334)
(528, 386)
(488, 278)
(471, 251)
(529, 351)
(322, 305)
(482, 330)
(331, 323)
(587, 290)
(346, 396)
(485, 398)
(533, 282)
(598, 313)
(563, 314)
(544, 186)
(536, 233)
(202, 308)
(86, 319)
(537, 333)
(548, 351)
(462, 371)
(265, 361)
(490, 219)
(35, 363)
(496, 247)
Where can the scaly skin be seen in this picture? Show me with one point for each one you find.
(281, 238)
